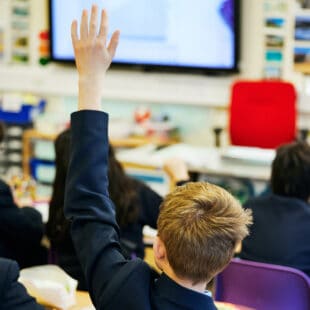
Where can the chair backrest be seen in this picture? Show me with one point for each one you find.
(262, 113)
(263, 286)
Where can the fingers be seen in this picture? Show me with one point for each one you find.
(90, 32)
(113, 43)
(84, 25)
(93, 21)
(74, 35)
(103, 31)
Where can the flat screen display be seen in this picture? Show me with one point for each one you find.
(195, 34)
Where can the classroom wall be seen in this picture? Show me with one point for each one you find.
(195, 103)
(196, 121)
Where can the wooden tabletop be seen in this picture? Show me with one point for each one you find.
(83, 302)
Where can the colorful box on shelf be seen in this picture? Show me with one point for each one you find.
(43, 149)
(18, 109)
(42, 170)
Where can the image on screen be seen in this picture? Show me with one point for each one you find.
(172, 33)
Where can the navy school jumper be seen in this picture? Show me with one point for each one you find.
(13, 295)
(114, 282)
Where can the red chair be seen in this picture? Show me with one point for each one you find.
(262, 113)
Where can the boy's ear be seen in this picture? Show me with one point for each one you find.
(159, 248)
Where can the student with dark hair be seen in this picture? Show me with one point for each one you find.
(21, 229)
(136, 205)
(199, 224)
(281, 229)
(291, 171)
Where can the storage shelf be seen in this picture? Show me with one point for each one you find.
(32, 135)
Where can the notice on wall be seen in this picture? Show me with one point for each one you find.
(1, 44)
(302, 38)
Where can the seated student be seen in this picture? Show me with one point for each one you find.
(199, 224)
(281, 229)
(21, 230)
(136, 205)
(13, 295)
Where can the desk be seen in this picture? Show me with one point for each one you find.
(83, 302)
(199, 159)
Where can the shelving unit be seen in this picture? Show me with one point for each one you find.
(31, 136)
(11, 159)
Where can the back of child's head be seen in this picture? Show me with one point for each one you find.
(126, 204)
(291, 171)
(200, 225)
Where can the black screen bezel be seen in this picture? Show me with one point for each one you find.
(165, 68)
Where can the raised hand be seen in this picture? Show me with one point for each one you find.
(176, 169)
(93, 56)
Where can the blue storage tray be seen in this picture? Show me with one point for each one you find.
(25, 115)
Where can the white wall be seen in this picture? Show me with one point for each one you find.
(197, 90)
(172, 88)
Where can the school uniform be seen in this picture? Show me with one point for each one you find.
(280, 232)
(13, 295)
(114, 282)
(21, 231)
(131, 235)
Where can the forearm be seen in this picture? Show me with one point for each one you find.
(93, 56)
(90, 92)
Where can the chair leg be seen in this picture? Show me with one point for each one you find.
(217, 133)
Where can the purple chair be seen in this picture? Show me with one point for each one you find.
(263, 286)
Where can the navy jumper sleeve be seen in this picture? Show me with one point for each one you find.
(94, 229)
(13, 295)
(114, 283)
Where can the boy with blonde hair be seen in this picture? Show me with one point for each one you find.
(198, 227)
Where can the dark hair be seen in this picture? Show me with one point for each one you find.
(123, 192)
(290, 174)
(58, 227)
(122, 189)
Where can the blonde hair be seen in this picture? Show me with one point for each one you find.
(200, 225)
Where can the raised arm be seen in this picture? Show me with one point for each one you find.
(92, 56)
(87, 203)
